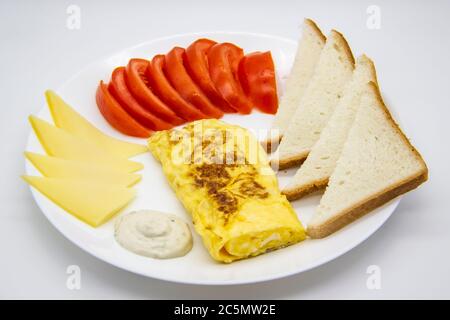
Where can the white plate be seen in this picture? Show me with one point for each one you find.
(197, 267)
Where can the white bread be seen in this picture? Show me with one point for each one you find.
(314, 173)
(377, 164)
(334, 69)
(310, 45)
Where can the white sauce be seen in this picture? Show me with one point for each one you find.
(153, 234)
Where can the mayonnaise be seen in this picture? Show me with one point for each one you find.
(153, 234)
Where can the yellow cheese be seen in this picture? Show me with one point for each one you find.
(61, 144)
(91, 202)
(65, 117)
(52, 167)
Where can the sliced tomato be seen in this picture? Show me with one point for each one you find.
(223, 59)
(257, 77)
(118, 88)
(196, 63)
(180, 79)
(162, 86)
(137, 82)
(116, 116)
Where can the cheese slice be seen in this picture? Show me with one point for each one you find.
(61, 144)
(65, 117)
(52, 167)
(91, 202)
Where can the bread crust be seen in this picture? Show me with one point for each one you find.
(314, 26)
(358, 210)
(346, 217)
(374, 87)
(296, 193)
(365, 59)
(344, 44)
(289, 162)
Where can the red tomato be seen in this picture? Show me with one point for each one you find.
(116, 116)
(180, 79)
(137, 82)
(162, 86)
(197, 66)
(223, 62)
(118, 88)
(257, 76)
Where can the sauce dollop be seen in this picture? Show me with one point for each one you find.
(153, 234)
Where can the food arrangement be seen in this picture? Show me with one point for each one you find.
(331, 123)
(205, 80)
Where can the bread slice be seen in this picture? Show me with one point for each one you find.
(310, 45)
(314, 173)
(334, 69)
(377, 164)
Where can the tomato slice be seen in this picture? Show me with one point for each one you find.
(223, 59)
(257, 77)
(197, 66)
(116, 116)
(162, 86)
(181, 80)
(137, 82)
(118, 88)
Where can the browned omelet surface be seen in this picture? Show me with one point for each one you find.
(222, 176)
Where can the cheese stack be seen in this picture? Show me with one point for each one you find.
(85, 172)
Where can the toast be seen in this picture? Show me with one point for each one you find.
(314, 173)
(377, 164)
(333, 71)
(310, 45)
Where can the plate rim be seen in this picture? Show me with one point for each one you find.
(208, 282)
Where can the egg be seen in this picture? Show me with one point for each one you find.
(222, 176)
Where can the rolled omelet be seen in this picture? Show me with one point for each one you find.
(222, 176)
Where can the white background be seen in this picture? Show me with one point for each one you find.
(412, 55)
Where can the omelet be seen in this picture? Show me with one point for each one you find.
(222, 176)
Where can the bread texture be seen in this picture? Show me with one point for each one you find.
(313, 175)
(377, 164)
(309, 48)
(333, 71)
